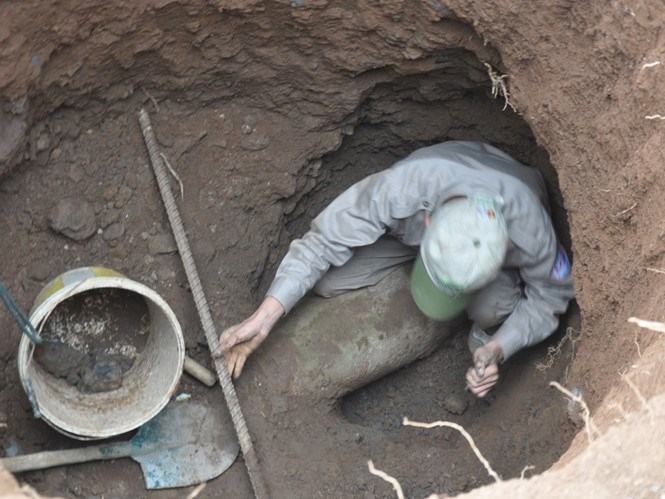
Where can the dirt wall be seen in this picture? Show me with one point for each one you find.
(583, 77)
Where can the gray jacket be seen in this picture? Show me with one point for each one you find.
(396, 201)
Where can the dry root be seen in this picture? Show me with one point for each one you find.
(392, 481)
(175, 175)
(554, 351)
(196, 491)
(480, 457)
(526, 468)
(619, 407)
(152, 98)
(30, 492)
(658, 271)
(638, 394)
(589, 426)
(499, 86)
(654, 326)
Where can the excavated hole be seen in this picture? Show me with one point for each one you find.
(232, 204)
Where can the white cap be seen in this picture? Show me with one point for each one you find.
(465, 244)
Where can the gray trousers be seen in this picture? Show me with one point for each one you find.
(370, 264)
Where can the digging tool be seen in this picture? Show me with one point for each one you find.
(52, 352)
(185, 444)
(157, 161)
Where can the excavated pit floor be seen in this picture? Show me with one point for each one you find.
(102, 165)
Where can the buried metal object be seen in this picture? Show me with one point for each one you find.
(328, 347)
(185, 444)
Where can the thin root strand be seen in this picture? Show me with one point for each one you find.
(499, 86)
(466, 435)
(392, 481)
(589, 426)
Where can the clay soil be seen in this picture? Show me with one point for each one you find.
(268, 110)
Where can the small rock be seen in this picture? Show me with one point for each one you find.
(165, 274)
(12, 133)
(74, 218)
(255, 142)
(56, 153)
(279, 404)
(97, 488)
(108, 216)
(19, 105)
(162, 244)
(164, 139)
(43, 142)
(114, 231)
(250, 120)
(455, 404)
(120, 251)
(91, 167)
(125, 193)
(109, 191)
(40, 270)
(74, 172)
(130, 180)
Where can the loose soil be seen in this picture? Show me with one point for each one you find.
(266, 112)
(94, 337)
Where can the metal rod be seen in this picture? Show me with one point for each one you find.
(244, 438)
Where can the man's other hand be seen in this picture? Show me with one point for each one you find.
(239, 342)
(484, 374)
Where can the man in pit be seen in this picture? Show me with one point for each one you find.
(477, 223)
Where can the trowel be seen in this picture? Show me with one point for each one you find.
(187, 443)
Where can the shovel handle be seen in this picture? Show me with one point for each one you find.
(49, 459)
(204, 375)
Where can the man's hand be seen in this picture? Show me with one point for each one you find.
(484, 374)
(238, 342)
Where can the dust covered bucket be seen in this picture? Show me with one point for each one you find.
(103, 315)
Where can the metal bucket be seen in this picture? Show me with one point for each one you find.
(146, 386)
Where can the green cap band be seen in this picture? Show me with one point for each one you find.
(431, 301)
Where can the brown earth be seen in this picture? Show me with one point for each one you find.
(267, 110)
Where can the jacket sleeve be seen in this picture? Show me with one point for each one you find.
(545, 272)
(358, 217)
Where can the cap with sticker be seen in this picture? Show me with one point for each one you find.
(463, 249)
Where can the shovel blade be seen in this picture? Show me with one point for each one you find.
(192, 443)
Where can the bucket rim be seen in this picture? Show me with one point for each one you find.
(41, 313)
